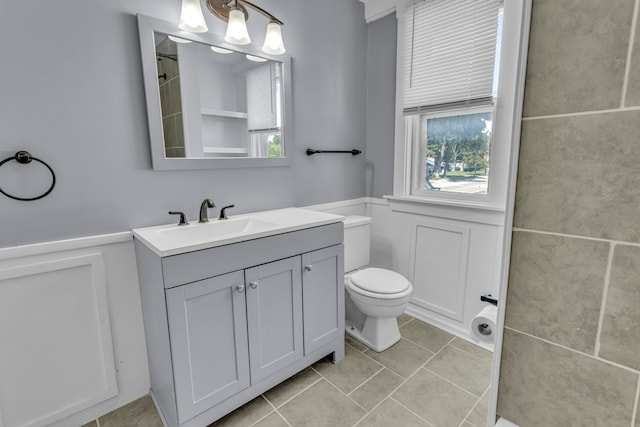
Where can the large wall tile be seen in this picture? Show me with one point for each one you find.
(620, 338)
(633, 85)
(542, 385)
(555, 288)
(577, 55)
(577, 175)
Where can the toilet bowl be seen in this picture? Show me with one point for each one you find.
(374, 296)
(381, 296)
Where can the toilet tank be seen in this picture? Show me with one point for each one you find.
(357, 237)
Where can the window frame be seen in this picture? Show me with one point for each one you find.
(504, 122)
(418, 147)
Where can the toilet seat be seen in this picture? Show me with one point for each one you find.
(379, 283)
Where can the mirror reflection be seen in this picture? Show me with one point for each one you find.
(218, 103)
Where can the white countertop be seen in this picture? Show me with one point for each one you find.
(171, 239)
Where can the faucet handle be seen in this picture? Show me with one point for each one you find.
(223, 212)
(183, 218)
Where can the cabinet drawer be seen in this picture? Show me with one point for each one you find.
(198, 265)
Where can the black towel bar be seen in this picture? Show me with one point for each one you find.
(311, 151)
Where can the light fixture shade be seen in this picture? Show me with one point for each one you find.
(273, 43)
(255, 58)
(191, 18)
(178, 39)
(221, 50)
(237, 29)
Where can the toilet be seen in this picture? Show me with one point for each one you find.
(374, 296)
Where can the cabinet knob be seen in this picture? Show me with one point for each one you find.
(253, 285)
(240, 287)
(308, 267)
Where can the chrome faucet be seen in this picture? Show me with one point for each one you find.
(206, 203)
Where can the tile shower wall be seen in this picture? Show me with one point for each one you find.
(572, 339)
(170, 98)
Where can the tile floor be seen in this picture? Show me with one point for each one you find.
(429, 378)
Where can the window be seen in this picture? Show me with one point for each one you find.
(264, 106)
(450, 55)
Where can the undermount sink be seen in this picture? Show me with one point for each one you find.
(173, 239)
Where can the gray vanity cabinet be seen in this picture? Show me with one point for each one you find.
(208, 332)
(322, 299)
(274, 316)
(227, 323)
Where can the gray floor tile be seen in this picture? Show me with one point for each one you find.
(376, 389)
(391, 413)
(434, 399)
(403, 357)
(294, 385)
(246, 414)
(321, 405)
(404, 318)
(478, 416)
(141, 412)
(425, 335)
(354, 343)
(462, 369)
(472, 349)
(272, 420)
(350, 372)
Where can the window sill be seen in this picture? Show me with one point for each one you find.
(462, 210)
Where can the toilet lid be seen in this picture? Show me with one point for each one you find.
(380, 281)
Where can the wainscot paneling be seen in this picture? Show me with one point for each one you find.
(57, 356)
(439, 253)
(72, 341)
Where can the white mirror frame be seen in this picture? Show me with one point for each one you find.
(147, 26)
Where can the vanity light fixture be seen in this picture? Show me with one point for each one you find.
(235, 13)
(191, 18)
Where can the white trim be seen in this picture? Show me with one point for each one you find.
(520, 43)
(376, 9)
(625, 82)
(64, 245)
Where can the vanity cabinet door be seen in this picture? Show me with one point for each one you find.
(274, 316)
(208, 331)
(323, 297)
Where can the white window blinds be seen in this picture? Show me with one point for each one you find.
(263, 100)
(450, 50)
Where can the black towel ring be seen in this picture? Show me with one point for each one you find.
(24, 157)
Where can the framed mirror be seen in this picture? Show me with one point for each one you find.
(211, 104)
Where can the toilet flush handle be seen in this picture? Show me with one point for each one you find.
(308, 267)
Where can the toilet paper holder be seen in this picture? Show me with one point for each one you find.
(489, 298)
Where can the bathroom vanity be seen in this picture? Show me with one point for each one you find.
(232, 308)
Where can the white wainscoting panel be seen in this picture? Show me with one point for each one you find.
(57, 355)
(439, 253)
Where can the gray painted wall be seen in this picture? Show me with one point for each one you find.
(72, 94)
(381, 103)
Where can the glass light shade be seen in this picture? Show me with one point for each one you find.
(220, 50)
(255, 58)
(178, 39)
(273, 43)
(191, 18)
(237, 29)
